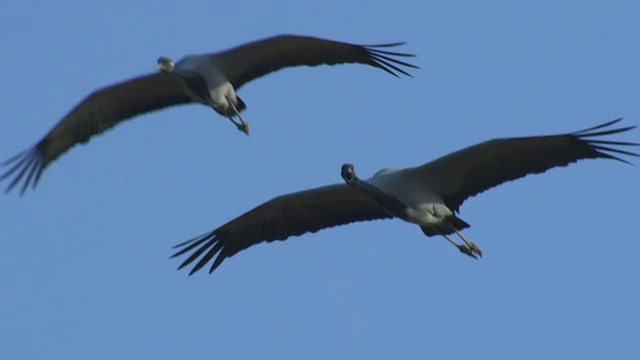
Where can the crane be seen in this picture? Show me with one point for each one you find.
(208, 79)
(429, 195)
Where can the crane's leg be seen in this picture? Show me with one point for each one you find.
(244, 127)
(463, 249)
(473, 247)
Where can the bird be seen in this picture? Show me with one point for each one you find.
(429, 196)
(208, 79)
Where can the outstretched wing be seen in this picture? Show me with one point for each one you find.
(470, 171)
(278, 219)
(253, 60)
(98, 112)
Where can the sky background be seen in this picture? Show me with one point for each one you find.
(84, 267)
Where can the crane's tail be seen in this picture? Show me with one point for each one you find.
(448, 226)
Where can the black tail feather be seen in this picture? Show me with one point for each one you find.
(448, 226)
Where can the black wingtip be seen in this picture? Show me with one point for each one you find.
(387, 45)
(598, 145)
(203, 248)
(386, 60)
(607, 124)
(27, 166)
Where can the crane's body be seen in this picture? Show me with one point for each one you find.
(206, 84)
(404, 197)
(421, 206)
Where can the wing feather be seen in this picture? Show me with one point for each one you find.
(278, 219)
(253, 60)
(97, 113)
(470, 171)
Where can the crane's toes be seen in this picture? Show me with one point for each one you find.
(244, 127)
(475, 249)
(467, 251)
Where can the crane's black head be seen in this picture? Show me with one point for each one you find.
(165, 64)
(348, 173)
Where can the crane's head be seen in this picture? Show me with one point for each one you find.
(165, 64)
(348, 173)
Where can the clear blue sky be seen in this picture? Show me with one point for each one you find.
(84, 265)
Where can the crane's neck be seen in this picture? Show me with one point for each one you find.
(394, 206)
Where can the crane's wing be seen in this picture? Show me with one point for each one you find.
(253, 60)
(98, 112)
(470, 171)
(280, 218)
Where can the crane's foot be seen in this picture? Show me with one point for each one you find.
(475, 249)
(467, 251)
(244, 127)
(471, 246)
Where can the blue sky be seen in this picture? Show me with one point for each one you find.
(84, 267)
